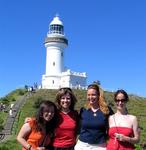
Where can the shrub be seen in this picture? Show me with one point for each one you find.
(37, 102)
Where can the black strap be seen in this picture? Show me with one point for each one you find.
(43, 141)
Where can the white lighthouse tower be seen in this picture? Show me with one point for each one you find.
(56, 76)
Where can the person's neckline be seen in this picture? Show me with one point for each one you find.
(94, 110)
(119, 113)
(65, 112)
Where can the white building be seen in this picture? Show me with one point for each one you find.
(56, 75)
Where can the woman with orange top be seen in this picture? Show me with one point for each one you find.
(37, 130)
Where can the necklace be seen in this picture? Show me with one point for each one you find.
(94, 114)
(94, 111)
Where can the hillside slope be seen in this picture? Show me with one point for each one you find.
(136, 106)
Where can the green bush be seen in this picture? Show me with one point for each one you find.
(138, 147)
(37, 102)
(21, 91)
(5, 100)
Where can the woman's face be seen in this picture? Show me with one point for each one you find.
(92, 97)
(65, 101)
(120, 101)
(48, 114)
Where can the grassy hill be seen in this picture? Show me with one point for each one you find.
(7, 101)
(136, 106)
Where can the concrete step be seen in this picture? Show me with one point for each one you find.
(2, 136)
(6, 132)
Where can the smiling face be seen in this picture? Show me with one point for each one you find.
(120, 101)
(48, 113)
(92, 97)
(65, 101)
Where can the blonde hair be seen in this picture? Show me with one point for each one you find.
(101, 101)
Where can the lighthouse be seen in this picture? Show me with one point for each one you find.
(57, 75)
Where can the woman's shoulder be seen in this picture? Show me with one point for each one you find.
(111, 116)
(74, 112)
(83, 109)
(132, 117)
(31, 119)
(31, 122)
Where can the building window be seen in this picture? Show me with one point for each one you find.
(53, 63)
(53, 81)
(62, 54)
(56, 29)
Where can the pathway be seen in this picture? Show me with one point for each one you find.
(7, 131)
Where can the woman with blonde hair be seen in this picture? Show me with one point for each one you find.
(94, 121)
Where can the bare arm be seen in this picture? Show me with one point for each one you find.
(21, 138)
(136, 131)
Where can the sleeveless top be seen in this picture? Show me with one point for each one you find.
(119, 144)
(35, 138)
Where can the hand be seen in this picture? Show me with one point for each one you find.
(120, 137)
(27, 119)
(32, 148)
(117, 135)
(41, 148)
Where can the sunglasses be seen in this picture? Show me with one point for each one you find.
(65, 88)
(120, 100)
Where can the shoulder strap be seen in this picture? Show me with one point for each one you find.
(115, 123)
(44, 141)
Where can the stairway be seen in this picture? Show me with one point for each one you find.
(7, 131)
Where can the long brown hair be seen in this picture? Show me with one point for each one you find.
(50, 125)
(61, 92)
(101, 101)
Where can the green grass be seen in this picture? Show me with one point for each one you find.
(7, 100)
(10, 144)
(136, 106)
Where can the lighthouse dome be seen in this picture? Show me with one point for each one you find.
(56, 21)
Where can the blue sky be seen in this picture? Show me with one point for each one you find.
(107, 39)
